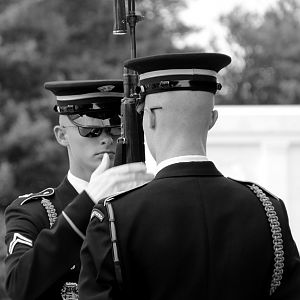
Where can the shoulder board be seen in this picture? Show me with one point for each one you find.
(43, 194)
(118, 195)
(249, 183)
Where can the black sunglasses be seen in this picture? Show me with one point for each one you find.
(88, 131)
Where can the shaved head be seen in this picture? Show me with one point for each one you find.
(183, 109)
(181, 125)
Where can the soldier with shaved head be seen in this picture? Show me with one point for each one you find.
(191, 233)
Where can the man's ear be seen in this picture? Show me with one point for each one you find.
(214, 118)
(151, 118)
(61, 135)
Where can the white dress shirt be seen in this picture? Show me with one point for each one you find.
(78, 183)
(179, 159)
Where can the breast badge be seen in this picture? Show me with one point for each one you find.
(70, 291)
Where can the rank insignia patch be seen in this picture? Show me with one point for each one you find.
(18, 238)
(98, 214)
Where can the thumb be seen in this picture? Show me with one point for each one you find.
(104, 165)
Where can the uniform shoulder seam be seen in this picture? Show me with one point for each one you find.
(36, 196)
(250, 183)
(122, 193)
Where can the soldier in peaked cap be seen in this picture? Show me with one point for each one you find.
(45, 230)
(190, 233)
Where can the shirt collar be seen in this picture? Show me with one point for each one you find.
(78, 183)
(179, 159)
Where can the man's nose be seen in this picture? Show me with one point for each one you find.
(105, 138)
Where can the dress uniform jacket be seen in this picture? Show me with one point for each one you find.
(43, 262)
(190, 234)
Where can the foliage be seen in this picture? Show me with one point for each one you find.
(270, 50)
(53, 40)
(43, 41)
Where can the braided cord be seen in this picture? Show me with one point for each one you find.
(276, 236)
(50, 209)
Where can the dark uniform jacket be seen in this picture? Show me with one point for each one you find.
(42, 263)
(189, 234)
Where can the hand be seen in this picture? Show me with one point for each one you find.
(105, 182)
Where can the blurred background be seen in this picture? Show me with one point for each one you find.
(257, 136)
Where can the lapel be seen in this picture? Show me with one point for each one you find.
(65, 193)
(186, 169)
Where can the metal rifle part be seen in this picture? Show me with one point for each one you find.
(130, 147)
(119, 17)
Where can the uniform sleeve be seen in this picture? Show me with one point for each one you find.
(97, 275)
(290, 285)
(39, 256)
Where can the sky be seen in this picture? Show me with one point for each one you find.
(205, 13)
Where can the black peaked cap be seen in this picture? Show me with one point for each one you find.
(209, 61)
(80, 87)
(86, 96)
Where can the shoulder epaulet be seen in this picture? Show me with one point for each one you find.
(122, 193)
(98, 214)
(32, 196)
(251, 184)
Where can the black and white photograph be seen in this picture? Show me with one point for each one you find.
(149, 150)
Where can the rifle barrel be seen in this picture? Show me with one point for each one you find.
(120, 26)
(130, 146)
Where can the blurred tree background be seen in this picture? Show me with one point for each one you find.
(268, 71)
(70, 40)
(60, 40)
(43, 41)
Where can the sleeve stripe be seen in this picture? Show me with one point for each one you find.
(18, 238)
(74, 227)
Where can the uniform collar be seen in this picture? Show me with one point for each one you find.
(78, 183)
(65, 193)
(178, 159)
(187, 169)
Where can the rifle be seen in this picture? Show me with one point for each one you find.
(130, 145)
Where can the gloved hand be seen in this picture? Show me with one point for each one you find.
(107, 181)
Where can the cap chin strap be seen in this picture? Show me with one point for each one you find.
(107, 122)
(177, 85)
(88, 96)
(177, 72)
(89, 109)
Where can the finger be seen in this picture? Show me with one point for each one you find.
(131, 178)
(126, 186)
(129, 168)
(103, 166)
(145, 178)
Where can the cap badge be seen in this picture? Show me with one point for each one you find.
(106, 88)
